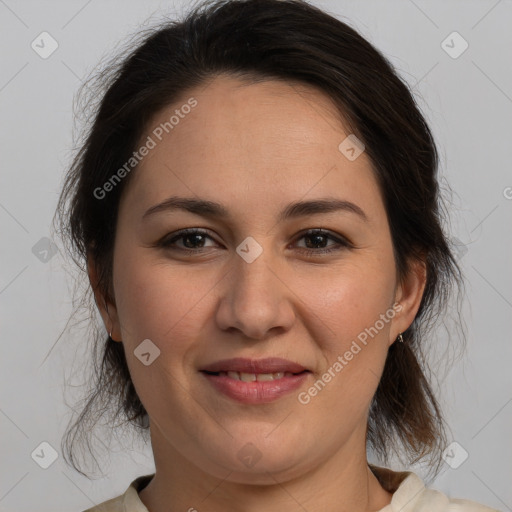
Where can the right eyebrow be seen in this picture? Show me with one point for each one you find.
(212, 209)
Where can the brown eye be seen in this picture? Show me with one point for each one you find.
(319, 237)
(193, 241)
(190, 238)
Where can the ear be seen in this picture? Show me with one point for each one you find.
(106, 307)
(408, 294)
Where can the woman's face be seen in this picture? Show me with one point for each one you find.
(248, 289)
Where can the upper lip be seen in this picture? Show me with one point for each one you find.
(243, 365)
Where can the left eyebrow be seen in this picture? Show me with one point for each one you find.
(211, 209)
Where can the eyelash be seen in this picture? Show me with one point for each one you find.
(342, 244)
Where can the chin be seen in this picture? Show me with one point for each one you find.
(257, 460)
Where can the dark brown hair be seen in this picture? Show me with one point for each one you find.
(298, 43)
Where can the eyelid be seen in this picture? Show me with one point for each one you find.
(323, 231)
(341, 241)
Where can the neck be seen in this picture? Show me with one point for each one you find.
(343, 483)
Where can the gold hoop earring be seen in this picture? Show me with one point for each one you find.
(110, 336)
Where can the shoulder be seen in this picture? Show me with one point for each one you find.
(411, 495)
(432, 500)
(113, 505)
(129, 500)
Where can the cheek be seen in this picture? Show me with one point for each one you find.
(165, 301)
(158, 300)
(355, 311)
(352, 299)
(162, 303)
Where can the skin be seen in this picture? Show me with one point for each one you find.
(266, 145)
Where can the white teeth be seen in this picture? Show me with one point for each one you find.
(266, 376)
(252, 377)
(247, 377)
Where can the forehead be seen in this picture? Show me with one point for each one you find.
(266, 142)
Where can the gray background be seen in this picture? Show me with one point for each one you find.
(468, 102)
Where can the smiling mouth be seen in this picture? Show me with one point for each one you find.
(255, 388)
(255, 377)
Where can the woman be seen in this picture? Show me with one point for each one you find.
(258, 207)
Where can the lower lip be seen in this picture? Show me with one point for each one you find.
(256, 392)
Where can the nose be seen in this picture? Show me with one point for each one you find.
(255, 299)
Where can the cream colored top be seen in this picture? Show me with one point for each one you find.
(409, 495)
